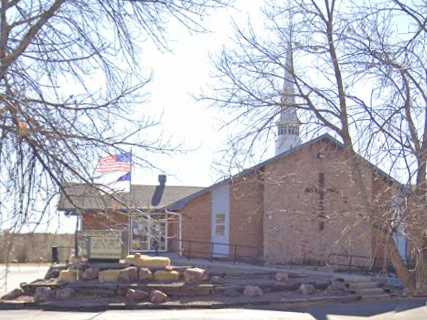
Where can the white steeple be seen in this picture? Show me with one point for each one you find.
(288, 125)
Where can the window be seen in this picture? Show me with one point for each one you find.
(220, 224)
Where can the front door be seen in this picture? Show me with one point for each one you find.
(220, 221)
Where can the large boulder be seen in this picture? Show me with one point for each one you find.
(253, 291)
(68, 275)
(136, 296)
(12, 295)
(157, 297)
(217, 280)
(43, 294)
(337, 287)
(52, 273)
(145, 274)
(109, 275)
(90, 273)
(64, 293)
(164, 275)
(307, 289)
(281, 276)
(129, 274)
(144, 261)
(195, 275)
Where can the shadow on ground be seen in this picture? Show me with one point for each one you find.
(388, 309)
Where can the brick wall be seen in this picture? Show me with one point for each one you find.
(196, 226)
(313, 208)
(246, 216)
(34, 247)
(100, 220)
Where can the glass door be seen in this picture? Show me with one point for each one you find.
(148, 233)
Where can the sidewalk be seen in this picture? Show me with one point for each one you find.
(250, 268)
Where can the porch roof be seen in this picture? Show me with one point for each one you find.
(144, 197)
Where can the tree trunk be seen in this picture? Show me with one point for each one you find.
(400, 267)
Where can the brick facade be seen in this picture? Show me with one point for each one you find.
(246, 216)
(104, 220)
(196, 227)
(313, 209)
(302, 208)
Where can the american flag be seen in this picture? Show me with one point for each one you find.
(117, 162)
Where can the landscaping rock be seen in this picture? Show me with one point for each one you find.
(12, 295)
(68, 275)
(129, 274)
(121, 291)
(26, 288)
(307, 289)
(90, 274)
(336, 287)
(217, 280)
(253, 291)
(194, 275)
(281, 276)
(52, 273)
(134, 295)
(145, 274)
(43, 294)
(144, 261)
(158, 297)
(163, 275)
(109, 275)
(64, 293)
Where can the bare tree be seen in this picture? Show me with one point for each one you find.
(351, 78)
(69, 82)
(392, 53)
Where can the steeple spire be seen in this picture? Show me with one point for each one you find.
(288, 125)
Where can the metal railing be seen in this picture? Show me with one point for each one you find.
(351, 262)
(221, 251)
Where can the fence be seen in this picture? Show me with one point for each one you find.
(34, 247)
(351, 262)
(221, 251)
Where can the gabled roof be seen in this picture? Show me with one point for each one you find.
(86, 197)
(180, 204)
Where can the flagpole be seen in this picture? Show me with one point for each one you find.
(130, 233)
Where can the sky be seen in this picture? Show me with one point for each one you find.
(179, 75)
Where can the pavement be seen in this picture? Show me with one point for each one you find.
(240, 267)
(404, 309)
(414, 309)
(17, 273)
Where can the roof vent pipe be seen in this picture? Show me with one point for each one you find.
(162, 179)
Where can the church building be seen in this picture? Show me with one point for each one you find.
(301, 206)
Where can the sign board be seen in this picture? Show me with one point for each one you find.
(101, 244)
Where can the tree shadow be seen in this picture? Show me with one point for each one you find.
(359, 309)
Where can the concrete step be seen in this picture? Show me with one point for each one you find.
(370, 291)
(375, 296)
(363, 285)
